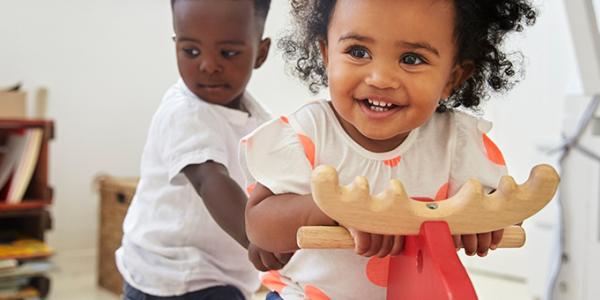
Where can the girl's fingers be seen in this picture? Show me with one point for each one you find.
(469, 242)
(496, 238)
(362, 241)
(484, 241)
(376, 241)
(457, 242)
(398, 245)
(386, 246)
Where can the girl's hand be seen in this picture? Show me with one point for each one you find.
(265, 261)
(479, 243)
(369, 244)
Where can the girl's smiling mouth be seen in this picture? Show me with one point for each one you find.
(377, 108)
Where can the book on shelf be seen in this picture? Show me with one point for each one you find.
(25, 249)
(19, 158)
(8, 263)
(26, 269)
(26, 292)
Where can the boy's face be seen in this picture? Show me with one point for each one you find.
(389, 62)
(218, 45)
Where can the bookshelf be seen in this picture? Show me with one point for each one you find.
(28, 218)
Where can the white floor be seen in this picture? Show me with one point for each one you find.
(74, 278)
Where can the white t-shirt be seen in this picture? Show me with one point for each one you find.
(432, 163)
(171, 244)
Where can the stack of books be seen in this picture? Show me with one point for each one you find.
(24, 198)
(23, 263)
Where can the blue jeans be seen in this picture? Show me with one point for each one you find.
(273, 296)
(225, 292)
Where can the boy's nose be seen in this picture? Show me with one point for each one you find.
(210, 66)
(383, 77)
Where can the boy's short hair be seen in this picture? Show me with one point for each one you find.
(261, 8)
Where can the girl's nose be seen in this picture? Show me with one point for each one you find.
(210, 66)
(383, 77)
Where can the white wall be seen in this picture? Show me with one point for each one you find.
(107, 63)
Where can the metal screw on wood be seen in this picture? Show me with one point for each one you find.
(432, 205)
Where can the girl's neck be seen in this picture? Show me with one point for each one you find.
(377, 146)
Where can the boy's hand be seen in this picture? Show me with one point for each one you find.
(264, 260)
(479, 243)
(369, 244)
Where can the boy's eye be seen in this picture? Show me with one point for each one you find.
(192, 52)
(412, 59)
(358, 52)
(228, 54)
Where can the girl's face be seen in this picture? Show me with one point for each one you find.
(389, 62)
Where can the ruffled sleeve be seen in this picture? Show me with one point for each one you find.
(279, 157)
(475, 155)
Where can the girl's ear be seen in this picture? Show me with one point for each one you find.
(263, 52)
(324, 53)
(459, 75)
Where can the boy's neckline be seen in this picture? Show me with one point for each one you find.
(236, 116)
(394, 153)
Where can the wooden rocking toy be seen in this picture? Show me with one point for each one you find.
(429, 267)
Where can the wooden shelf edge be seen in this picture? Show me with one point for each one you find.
(24, 205)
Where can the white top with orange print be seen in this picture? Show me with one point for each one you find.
(432, 163)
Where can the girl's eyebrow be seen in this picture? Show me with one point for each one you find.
(412, 45)
(418, 45)
(355, 36)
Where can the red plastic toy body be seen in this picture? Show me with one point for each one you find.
(429, 268)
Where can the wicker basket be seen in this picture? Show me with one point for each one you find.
(115, 197)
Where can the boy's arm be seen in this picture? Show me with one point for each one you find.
(273, 220)
(222, 196)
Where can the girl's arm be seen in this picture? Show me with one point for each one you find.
(273, 220)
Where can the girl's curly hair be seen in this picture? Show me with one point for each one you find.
(480, 29)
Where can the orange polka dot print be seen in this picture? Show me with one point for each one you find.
(272, 280)
(393, 162)
(492, 151)
(377, 270)
(313, 293)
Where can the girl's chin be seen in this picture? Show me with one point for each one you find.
(378, 136)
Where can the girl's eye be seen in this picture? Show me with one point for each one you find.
(192, 52)
(358, 52)
(228, 54)
(412, 59)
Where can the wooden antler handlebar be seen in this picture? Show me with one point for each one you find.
(337, 237)
(471, 210)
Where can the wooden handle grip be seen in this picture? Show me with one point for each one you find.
(337, 237)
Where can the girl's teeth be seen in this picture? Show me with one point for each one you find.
(378, 109)
(379, 103)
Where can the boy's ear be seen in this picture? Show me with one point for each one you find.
(324, 53)
(263, 52)
(459, 75)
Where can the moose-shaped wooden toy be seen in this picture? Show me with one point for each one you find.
(429, 267)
